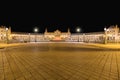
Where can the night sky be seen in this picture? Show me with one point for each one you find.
(89, 17)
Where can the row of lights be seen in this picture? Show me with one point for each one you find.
(78, 29)
(37, 30)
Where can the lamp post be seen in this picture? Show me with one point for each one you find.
(29, 37)
(83, 37)
(36, 30)
(6, 35)
(78, 30)
(105, 29)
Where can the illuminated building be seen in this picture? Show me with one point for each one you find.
(56, 35)
(5, 34)
(110, 35)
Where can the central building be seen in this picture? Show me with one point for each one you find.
(57, 35)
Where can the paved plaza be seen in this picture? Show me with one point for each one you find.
(59, 61)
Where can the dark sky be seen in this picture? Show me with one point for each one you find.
(23, 17)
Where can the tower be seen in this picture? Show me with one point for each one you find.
(46, 30)
(68, 31)
(9, 33)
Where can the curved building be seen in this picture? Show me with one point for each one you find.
(109, 35)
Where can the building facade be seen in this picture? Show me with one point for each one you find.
(5, 34)
(109, 35)
(56, 35)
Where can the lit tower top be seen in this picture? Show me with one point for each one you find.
(46, 30)
(68, 30)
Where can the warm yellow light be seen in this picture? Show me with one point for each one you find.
(6, 29)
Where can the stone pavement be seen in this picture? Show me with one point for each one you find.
(2, 45)
(58, 62)
(41, 63)
(107, 46)
(94, 45)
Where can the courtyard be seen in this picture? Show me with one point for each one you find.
(59, 61)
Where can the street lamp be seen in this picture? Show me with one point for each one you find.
(6, 35)
(78, 30)
(36, 30)
(105, 29)
(83, 37)
(29, 37)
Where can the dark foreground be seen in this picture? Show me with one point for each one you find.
(63, 61)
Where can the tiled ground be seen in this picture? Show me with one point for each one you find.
(58, 62)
